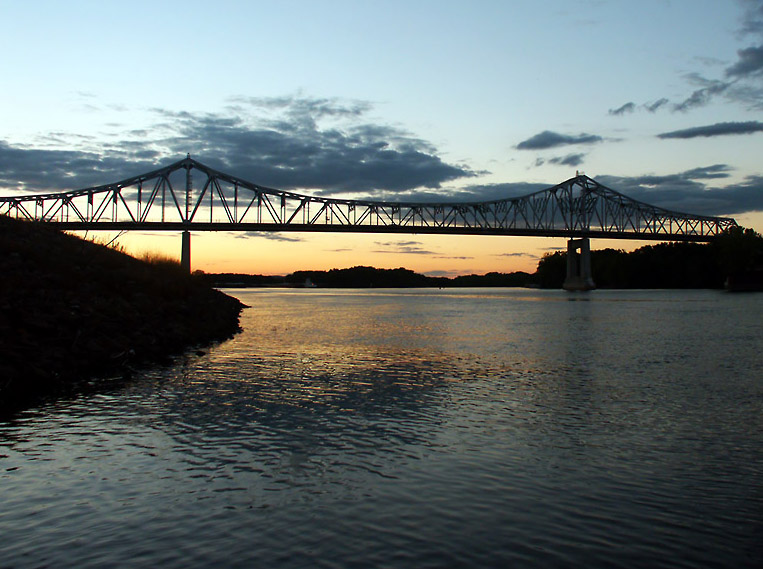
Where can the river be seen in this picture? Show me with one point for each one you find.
(412, 428)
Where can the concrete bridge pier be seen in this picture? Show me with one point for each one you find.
(579, 265)
(185, 253)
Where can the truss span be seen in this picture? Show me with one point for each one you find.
(165, 199)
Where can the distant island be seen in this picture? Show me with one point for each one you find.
(365, 277)
(735, 260)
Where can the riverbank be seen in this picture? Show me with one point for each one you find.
(72, 310)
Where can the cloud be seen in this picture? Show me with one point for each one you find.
(492, 192)
(626, 108)
(515, 255)
(717, 129)
(714, 172)
(293, 151)
(750, 62)
(549, 139)
(472, 193)
(45, 170)
(398, 243)
(742, 84)
(687, 191)
(632, 107)
(301, 106)
(741, 78)
(702, 96)
(569, 160)
(654, 107)
(752, 17)
(268, 235)
(747, 94)
(289, 143)
(402, 247)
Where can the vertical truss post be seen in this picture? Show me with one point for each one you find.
(185, 251)
(188, 183)
(235, 202)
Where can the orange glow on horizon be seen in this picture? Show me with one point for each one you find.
(436, 255)
(451, 255)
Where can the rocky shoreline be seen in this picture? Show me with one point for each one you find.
(72, 310)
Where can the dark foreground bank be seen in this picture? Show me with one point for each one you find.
(72, 310)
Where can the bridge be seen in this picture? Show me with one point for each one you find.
(165, 200)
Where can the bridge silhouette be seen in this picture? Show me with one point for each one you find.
(165, 200)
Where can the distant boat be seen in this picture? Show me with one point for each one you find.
(309, 283)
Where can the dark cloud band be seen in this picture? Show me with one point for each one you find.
(292, 150)
(717, 129)
(549, 139)
(687, 192)
(626, 108)
(750, 61)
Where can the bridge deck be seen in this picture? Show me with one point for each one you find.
(372, 229)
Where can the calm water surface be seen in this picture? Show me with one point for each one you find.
(413, 428)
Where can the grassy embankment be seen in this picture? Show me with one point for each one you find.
(72, 310)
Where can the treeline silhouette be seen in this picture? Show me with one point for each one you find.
(667, 265)
(370, 277)
(737, 256)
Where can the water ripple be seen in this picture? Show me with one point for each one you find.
(401, 429)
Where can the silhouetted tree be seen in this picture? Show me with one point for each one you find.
(739, 250)
(552, 269)
(664, 265)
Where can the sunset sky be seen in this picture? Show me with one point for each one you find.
(658, 99)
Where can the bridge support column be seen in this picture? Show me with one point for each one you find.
(579, 265)
(185, 253)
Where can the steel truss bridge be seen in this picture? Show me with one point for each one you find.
(579, 207)
(166, 200)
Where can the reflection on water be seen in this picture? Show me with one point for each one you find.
(413, 428)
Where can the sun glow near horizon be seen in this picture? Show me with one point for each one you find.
(436, 255)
